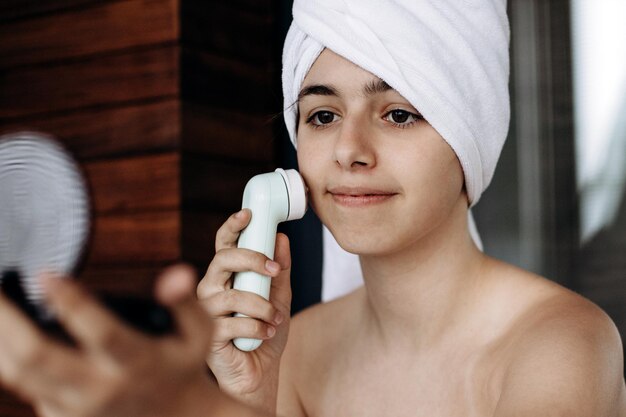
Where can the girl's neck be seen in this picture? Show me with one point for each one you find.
(417, 296)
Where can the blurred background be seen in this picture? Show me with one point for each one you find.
(170, 106)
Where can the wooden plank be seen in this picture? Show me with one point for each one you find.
(216, 81)
(13, 9)
(143, 183)
(158, 126)
(124, 279)
(135, 239)
(104, 27)
(215, 184)
(106, 132)
(106, 80)
(231, 134)
(19, 9)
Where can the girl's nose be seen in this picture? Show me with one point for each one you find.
(353, 148)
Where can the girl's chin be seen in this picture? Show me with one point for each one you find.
(364, 244)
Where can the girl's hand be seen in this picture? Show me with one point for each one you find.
(114, 370)
(250, 376)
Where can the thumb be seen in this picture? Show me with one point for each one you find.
(175, 289)
(280, 293)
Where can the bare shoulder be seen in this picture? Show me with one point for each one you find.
(318, 330)
(566, 358)
(315, 335)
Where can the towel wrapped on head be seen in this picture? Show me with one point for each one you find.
(448, 58)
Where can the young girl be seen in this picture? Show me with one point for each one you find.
(400, 109)
(394, 150)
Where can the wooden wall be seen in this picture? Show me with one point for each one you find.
(168, 106)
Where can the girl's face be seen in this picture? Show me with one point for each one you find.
(379, 176)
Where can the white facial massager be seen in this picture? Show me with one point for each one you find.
(272, 198)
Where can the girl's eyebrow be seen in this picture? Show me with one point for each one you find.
(375, 86)
(317, 89)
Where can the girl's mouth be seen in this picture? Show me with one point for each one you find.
(359, 196)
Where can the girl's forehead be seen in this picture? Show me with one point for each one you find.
(333, 75)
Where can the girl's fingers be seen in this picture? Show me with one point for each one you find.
(175, 284)
(92, 325)
(226, 329)
(227, 261)
(49, 409)
(30, 361)
(227, 302)
(59, 379)
(228, 234)
(280, 293)
(25, 344)
(175, 288)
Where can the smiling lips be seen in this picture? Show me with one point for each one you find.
(359, 196)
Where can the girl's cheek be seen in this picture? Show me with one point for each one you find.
(305, 161)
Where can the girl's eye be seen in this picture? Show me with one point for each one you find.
(321, 118)
(402, 118)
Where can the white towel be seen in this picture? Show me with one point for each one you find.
(448, 58)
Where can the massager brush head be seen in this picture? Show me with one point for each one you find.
(297, 192)
(44, 210)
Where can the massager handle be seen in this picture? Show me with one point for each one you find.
(272, 198)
